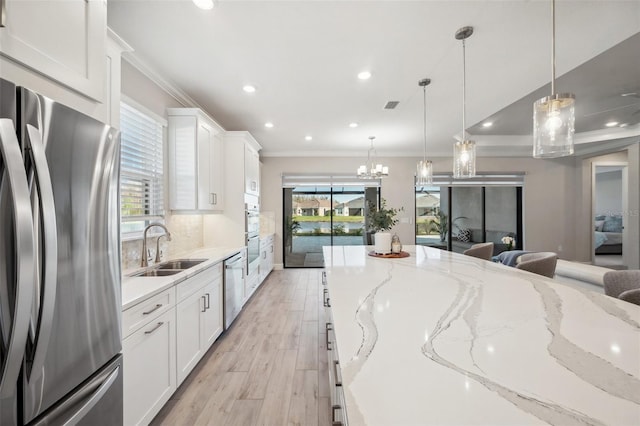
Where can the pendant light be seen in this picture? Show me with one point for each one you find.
(424, 170)
(464, 150)
(553, 116)
(371, 169)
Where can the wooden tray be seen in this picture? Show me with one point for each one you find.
(389, 255)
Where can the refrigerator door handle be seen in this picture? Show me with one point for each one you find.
(49, 272)
(25, 257)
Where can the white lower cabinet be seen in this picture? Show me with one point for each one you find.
(165, 337)
(198, 318)
(149, 368)
(266, 256)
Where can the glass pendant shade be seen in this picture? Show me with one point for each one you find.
(553, 116)
(553, 126)
(424, 173)
(464, 159)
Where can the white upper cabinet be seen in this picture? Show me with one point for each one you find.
(242, 150)
(63, 40)
(251, 170)
(196, 161)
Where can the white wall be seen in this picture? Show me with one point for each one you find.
(550, 198)
(608, 193)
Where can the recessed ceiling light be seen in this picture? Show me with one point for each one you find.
(611, 124)
(353, 125)
(249, 88)
(624, 124)
(364, 75)
(487, 124)
(268, 124)
(204, 4)
(308, 138)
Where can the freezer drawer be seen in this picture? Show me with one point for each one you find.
(98, 401)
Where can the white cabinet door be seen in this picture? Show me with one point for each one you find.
(150, 369)
(251, 170)
(63, 40)
(196, 175)
(182, 163)
(212, 316)
(217, 171)
(189, 329)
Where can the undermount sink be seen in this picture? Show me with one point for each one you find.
(180, 264)
(157, 273)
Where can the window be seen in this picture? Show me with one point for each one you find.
(141, 169)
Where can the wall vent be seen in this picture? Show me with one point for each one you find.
(391, 105)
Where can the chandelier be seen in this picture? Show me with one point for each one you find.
(553, 116)
(371, 169)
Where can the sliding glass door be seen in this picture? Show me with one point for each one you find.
(456, 217)
(322, 216)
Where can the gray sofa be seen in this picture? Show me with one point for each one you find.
(476, 237)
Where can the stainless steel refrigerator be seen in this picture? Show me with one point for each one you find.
(60, 298)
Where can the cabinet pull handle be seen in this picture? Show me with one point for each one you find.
(204, 303)
(208, 301)
(324, 277)
(155, 308)
(272, 249)
(328, 327)
(335, 422)
(211, 198)
(154, 328)
(325, 299)
(336, 370)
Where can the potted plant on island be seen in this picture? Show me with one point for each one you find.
(380, 220)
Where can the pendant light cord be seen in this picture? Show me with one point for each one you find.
(553, 47)
(464, 73)
(424, 102)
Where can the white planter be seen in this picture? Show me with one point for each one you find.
(382, 242)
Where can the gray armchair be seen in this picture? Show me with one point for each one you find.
(481, 251)
(624, 285)
(541, 263)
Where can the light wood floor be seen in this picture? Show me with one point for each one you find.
(269, 368)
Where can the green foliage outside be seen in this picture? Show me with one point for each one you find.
(353, 219)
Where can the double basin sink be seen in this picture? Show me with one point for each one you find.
(170, 267)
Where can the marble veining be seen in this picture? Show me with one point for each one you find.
(442, 338)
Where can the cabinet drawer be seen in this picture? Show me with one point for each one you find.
(266, 241)
(140, 314)
(193, 284)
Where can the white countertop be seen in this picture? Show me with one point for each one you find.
(137, 289)
(443, 338)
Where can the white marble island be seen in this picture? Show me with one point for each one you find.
(442, 338)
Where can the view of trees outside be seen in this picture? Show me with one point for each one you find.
(319, 215)
(431, 221)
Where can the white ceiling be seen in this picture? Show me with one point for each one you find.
(304, 56)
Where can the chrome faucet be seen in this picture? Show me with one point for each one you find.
(145, 261)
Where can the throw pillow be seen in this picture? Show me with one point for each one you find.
(612, 224)
(599, 224)
(464, 235)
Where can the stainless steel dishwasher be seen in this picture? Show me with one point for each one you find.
(234, 275)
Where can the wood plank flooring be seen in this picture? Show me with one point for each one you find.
(269, 368)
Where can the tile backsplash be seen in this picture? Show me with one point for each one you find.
(186, 235)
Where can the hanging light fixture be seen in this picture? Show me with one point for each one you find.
(424, 170)
(464, 150)
(553, 116)
(371, 169)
